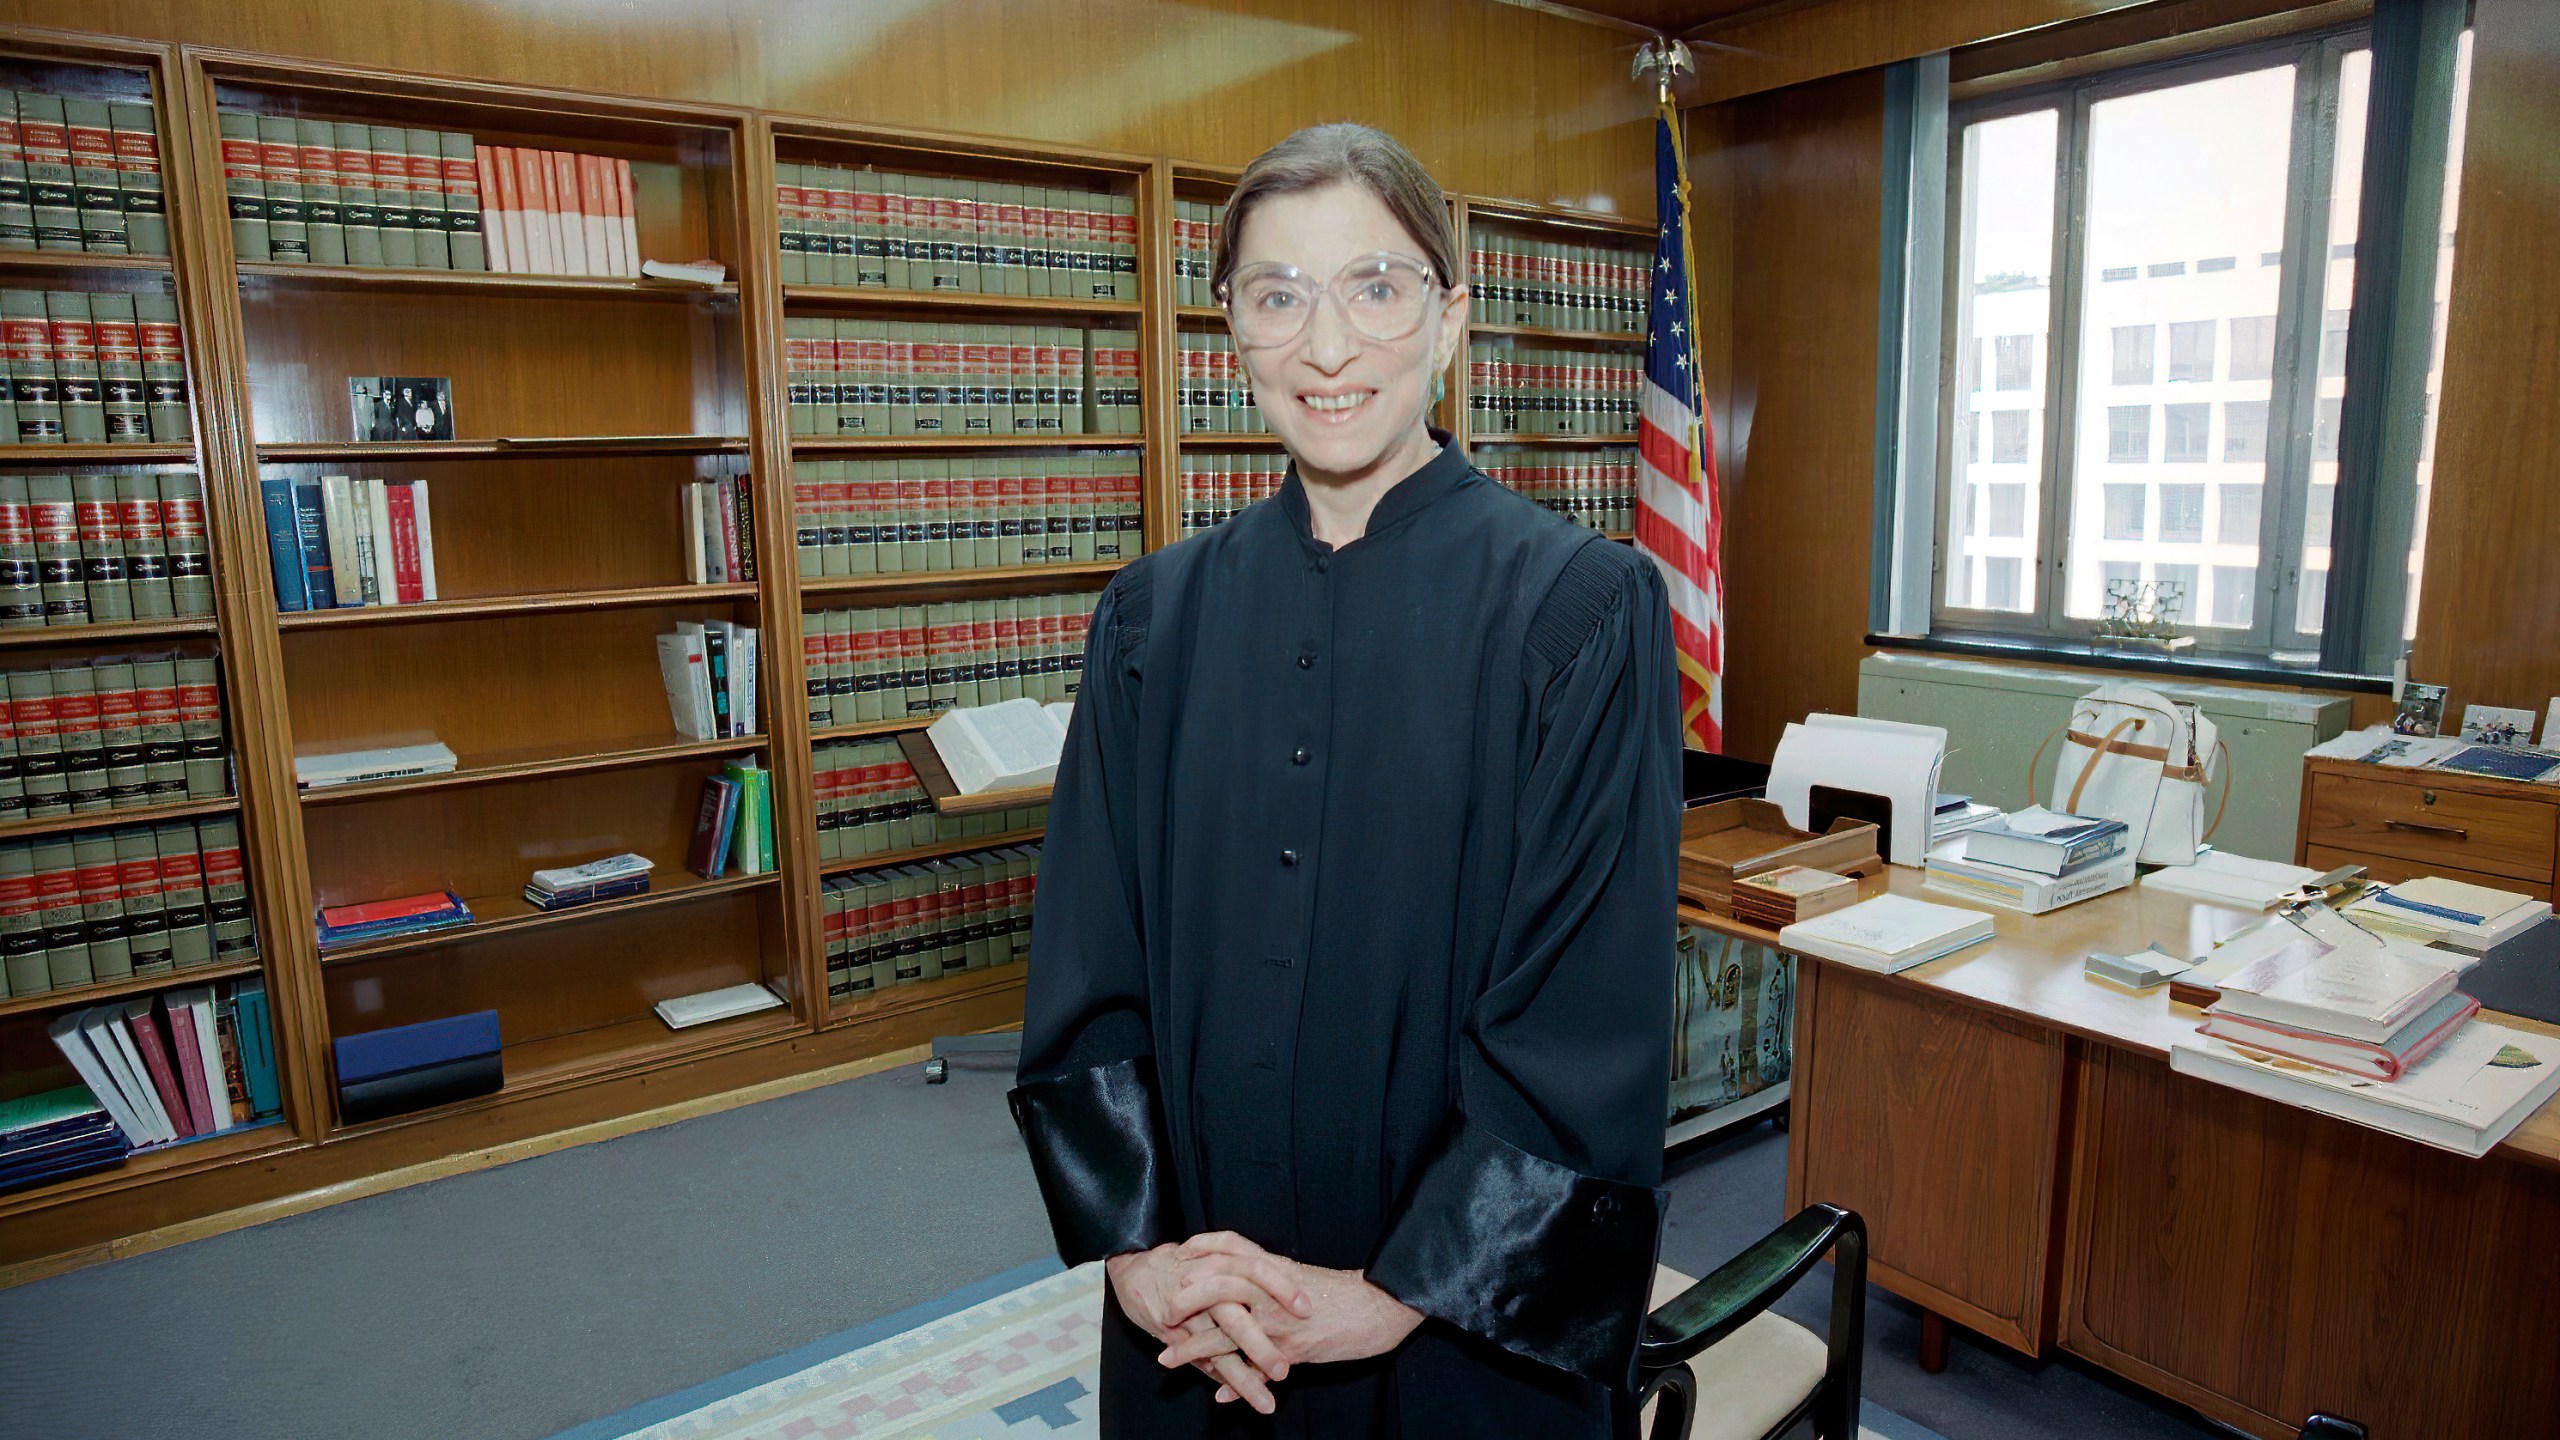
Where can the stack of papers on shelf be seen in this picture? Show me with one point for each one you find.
(382, 919)
(2447, 913)
(683, 1011)
(2377, 745)
(2045, 841)
(624, 874)
(2228, 879)
(317, 768)
(2470, 1093)
(1954, 870)
(1888, 934)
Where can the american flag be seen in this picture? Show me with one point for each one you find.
(1678, 520)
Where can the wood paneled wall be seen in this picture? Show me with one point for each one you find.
(1529, 106)
(1791, 179)
(2486, 614)
(1795, 182)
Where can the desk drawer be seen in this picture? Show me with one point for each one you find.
(2391, 871)
(2431, 825)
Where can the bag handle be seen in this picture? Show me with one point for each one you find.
(2072, 806)
(2035, 762)
(2223, 751)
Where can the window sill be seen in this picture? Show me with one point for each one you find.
(2091, 657)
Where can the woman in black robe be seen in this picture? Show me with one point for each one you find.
(1347, 1034)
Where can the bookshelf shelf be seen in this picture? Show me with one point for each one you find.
(494, 283)
(1554, 217)
(358, 452)
(229, 1147)
(857, 729)
(46, 635)
(574, 600)
(533, 763)
(107, 819)
(55, 455)
(1228, 441)
(960, 845)
(923, 994)
(16, 263)
(73, 996)
(1567, 441)
(847, 297)
(993, 575)
(1203, 314)
(509, 912)
(957, 444)
(1569, 337)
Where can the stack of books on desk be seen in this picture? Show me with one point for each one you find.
(2466, 1095)
(1957, 814)
(2447, 914)
(1781, 897)
(2361, 1006)
(1888, 934)
(2034, 860)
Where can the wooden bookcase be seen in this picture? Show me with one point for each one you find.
(1483, 217)
(582, 406)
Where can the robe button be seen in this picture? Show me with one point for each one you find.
(1288, 857)
(1604, 1209)
(1301, 757)
(1306, 659)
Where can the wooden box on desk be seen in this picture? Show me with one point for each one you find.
(1729, 839)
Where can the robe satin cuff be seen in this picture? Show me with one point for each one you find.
(1544, 1261)
(1097, 1147)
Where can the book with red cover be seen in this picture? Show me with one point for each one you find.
(569, 234)
(533, 191)
(623, 216)
(406, 574)
(484, 163)
(2387, 1061)
(595, 212)
(374, 912)
(161, 1067)
(191, 1071)
(708, 853)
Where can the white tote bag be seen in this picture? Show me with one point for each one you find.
(2133, 754)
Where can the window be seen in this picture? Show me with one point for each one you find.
(2231, 587)
(2008, 437)
(2125, 511)
(2000, 582)
(2189, 225)
(2182, 514)
(2008, 512)
(2253, 347)
(2190, 427)
(2016, 364)
(2177, 588)
(2237, 519)
(2191, 350)
(2129, 434)
(2133, 354)
(2244, 432)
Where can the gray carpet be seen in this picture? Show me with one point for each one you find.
(519, 1301)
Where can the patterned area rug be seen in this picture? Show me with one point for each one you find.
(1010, 1358)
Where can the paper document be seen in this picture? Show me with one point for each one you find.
(2232, 879)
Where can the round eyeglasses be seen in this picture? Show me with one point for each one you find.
(1382, 296)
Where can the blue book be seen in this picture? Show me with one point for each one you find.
(257, 1050)
(377, 1053)
(311, 525)
(284, 544)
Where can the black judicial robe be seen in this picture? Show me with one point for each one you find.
(1353, 936)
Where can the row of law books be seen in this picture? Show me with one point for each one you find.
(2372, 1025)
(339, 542)
(904, 924)
(103, 906)
(926, 515)
(92, 368)
(870, 803)
(111, 732)
(102, 549)
(1195, 250)
(342, 192)
(878, 229)
(177, 1066)
(1518, 391)
(1557, 284)
(1211, 395)
(1596, 488)
(556, 212)
(897, 377)
(709, 668)
(1215, 486)
(896, 662)
(80, 174)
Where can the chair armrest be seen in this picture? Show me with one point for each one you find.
(1742, 1287)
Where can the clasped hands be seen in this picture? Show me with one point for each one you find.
(1245, 1317)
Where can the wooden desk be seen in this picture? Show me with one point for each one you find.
(2029, 1167)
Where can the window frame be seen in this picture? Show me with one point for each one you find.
(2293, 383)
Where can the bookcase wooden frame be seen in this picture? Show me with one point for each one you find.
(625, 1065)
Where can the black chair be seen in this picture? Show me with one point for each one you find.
(2330, 1427)
(1760, 1374)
